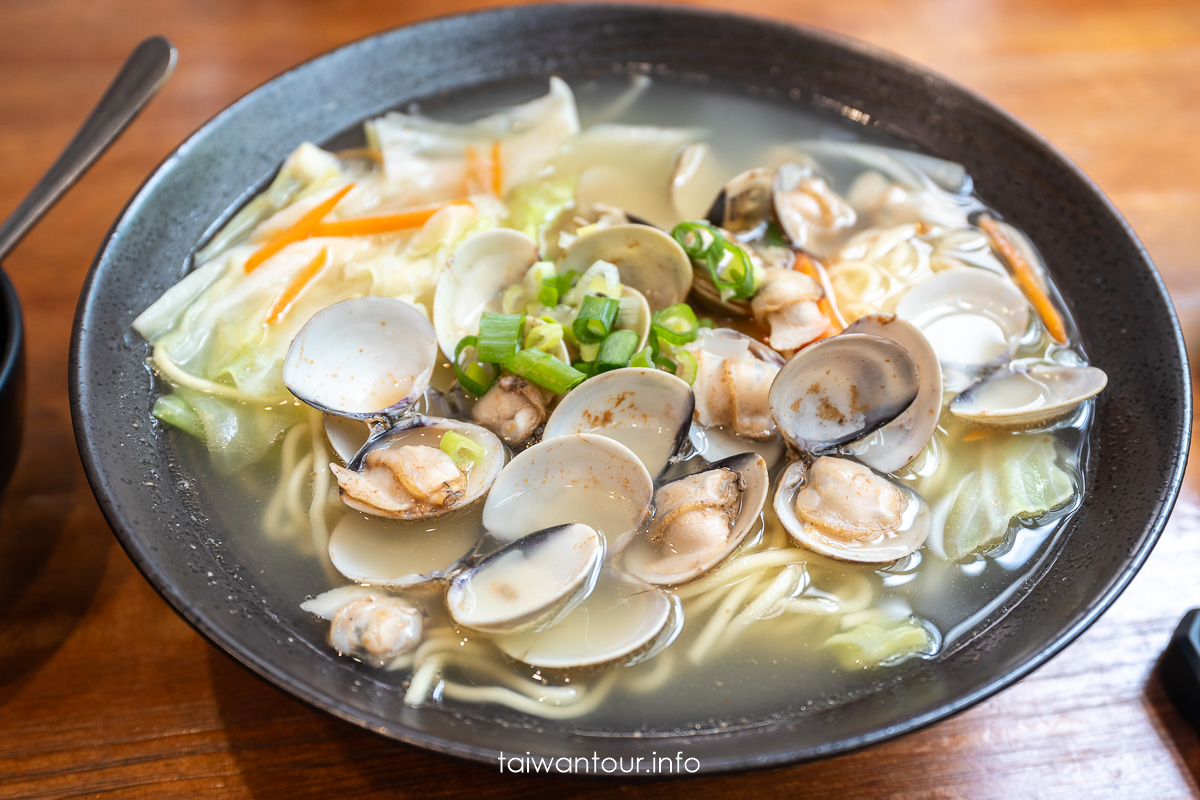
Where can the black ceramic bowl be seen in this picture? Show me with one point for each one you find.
(12, 379)
(172, 525)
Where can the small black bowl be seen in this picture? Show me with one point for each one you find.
(12, 379)
(171, 521)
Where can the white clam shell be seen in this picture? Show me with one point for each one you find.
(395, 554)
(897, 443)
(881, 550)
(428, 431)
(621, 616)
(480, 269)
(973, 318)
(840, 389)
(580, 477)
(664, 564)
(646, 258)
(529, 583)
(362, 358)
(1027, 396)
(647, 410)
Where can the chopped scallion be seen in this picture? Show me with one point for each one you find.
(555, 287)
(473, 377)
(643, 358)
(676, 325)
(687, 366)
(616, 350)
(729, 265)
(662, 362)
(544, 370)
(545, 335)
(465, 451)
(499, 336)
(595, 318)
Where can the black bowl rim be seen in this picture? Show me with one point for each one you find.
(144, 560)
(12, 337)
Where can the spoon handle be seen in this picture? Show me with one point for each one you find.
(142, 74)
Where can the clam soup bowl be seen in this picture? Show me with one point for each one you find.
(166, 503)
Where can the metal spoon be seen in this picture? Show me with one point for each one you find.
(142, 74)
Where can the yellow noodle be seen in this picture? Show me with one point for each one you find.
(721, 617)
(785, 583)
(739, 566)
(423, 680)
(654, 678)
(588, 702)
(176, 375)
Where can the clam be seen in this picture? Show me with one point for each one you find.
(647, 259)
(841, 389)
(529, 583)
(899, 441)
(699, 520)
(474, 281)
(695, 179)
(810, 212)
(404, 472)
(558, 234)
(973, 318)
(376, 629)
(622, 618)
(647, 410)
(845, 510)
(733, 378)
(386, 553)
(579, 477)
(744, 205)
(1028, 396)
(367, 358)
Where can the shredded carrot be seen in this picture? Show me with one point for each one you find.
(383, 223)
(976, 435)
(300, 229)
(1024, 276)
(497, 170)
(288, 296)
(470, 175)
(809, 267)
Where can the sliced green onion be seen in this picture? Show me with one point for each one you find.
(587, 368)
(513, 300)
(729, 265)
(706, 322)
(545, 335)
(588, 352)
(687, 367)
(554, 287)
(662, 362)
(465, 451)
(643, 358)
(499, 335)
(544, 370)
(616, 351)
(675, 325)
(473, 377)
(773, 237)
(595, 318)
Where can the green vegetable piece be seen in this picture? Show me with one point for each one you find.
(595, 319)
(616, 350)
(544, 370)
(175, 411)
(473, 377)
(499, 336)
(876, 644)
(465, 451)
(676, 325)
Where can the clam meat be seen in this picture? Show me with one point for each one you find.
(786, 304)
(845, 510)
(513, 409)
(376, 628)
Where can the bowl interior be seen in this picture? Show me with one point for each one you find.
(174, 529)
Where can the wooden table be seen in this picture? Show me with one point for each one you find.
(103, 690)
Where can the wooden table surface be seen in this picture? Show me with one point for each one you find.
(105, 691)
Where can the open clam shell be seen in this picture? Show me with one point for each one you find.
(529, 583)
(579, 477)
(897, 443)
(388, 553)
(424, 432)
(646, 258)
(362, 358)
(622, 616)
(838, 390)
(973, 318)
(846, 511)
(647, 410)
(700, 535)
(1028, 396)
(743, 207)
(473, 282)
